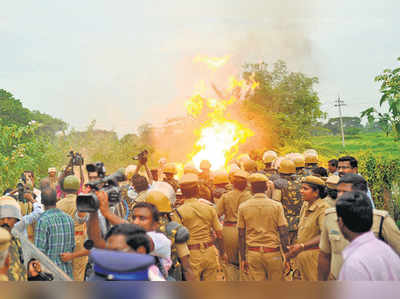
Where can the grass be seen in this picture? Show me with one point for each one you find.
(377, 143)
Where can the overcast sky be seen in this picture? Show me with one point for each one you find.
(124, 63)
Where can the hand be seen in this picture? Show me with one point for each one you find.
(28, 196)
(103, 202)
(34, 268)
(271, 185)
(244, 267)
(294, 250)
(223, 258)
(66, 256)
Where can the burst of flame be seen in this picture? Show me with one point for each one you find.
(219, 141)
(212, 62)
(219, 137)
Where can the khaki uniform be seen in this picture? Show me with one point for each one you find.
(228, 206)
(17, 269)
(261, 217)
(199, 219)
(310, 226)
(333, 242)
(331, 202)
(68, 205)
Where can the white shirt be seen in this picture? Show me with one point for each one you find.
(366, 258)
(21, 226)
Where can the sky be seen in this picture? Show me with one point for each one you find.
(125, 63)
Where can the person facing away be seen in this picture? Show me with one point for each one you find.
(55, 231)
(366, 258)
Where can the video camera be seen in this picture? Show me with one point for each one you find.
(76, 159)
(89, 203)
(23, 188)
(141, 156)
(97, 167)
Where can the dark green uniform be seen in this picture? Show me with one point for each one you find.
(17, 271)
(292, 202)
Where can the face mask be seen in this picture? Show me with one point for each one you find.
(332, 193)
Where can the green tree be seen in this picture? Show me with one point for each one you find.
(11, 110)
(390, 89)
(285, 108)
(351, 125)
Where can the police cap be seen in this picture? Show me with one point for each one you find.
(188, 180)
(257, 178)
(314, 180)
(332, 181)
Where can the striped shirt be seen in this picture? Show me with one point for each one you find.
(55, 234)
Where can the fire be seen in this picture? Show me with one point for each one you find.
(219, 141)
(219, 137)
(212, 62)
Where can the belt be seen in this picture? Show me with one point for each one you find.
(262, 248)
(198, 246)
(230, 223)
(313, 248)
(80, 233)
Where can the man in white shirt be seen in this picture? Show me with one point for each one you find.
(366, 258)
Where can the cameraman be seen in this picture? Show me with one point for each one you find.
(30, 181)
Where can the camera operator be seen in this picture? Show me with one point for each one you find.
(30, 181)
(30, 208)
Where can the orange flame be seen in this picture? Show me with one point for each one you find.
(219, 137)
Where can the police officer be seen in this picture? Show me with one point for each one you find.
(169, 172)
(300, 163)
(177, 233)
(249, 166)
(199, 219)
(311, 161)
(206, 187)
(331, 190)
(310, 226)
(10, 214)
(221, 184)
(228, 206)
(268, 158)
(5, 240)
(67, 204)
(332, 241)
(262, 230)
(287, 191)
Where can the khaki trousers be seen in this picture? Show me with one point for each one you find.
(231, 246)
(204, 262)
(307, 263)
(79, 264)
(265, 266)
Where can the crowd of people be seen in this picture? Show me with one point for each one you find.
(280, 218)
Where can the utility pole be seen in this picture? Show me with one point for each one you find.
(340, 104)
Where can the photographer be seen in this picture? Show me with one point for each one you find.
(76, 159)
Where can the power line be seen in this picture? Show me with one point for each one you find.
(340, 104)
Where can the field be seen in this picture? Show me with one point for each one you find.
(377, 143)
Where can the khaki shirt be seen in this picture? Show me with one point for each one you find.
(260, 216)
(331, 202)
(199, 219)
(68, 206)
(229, 203)
(311, 220)
(17, 269)
(333, 242)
